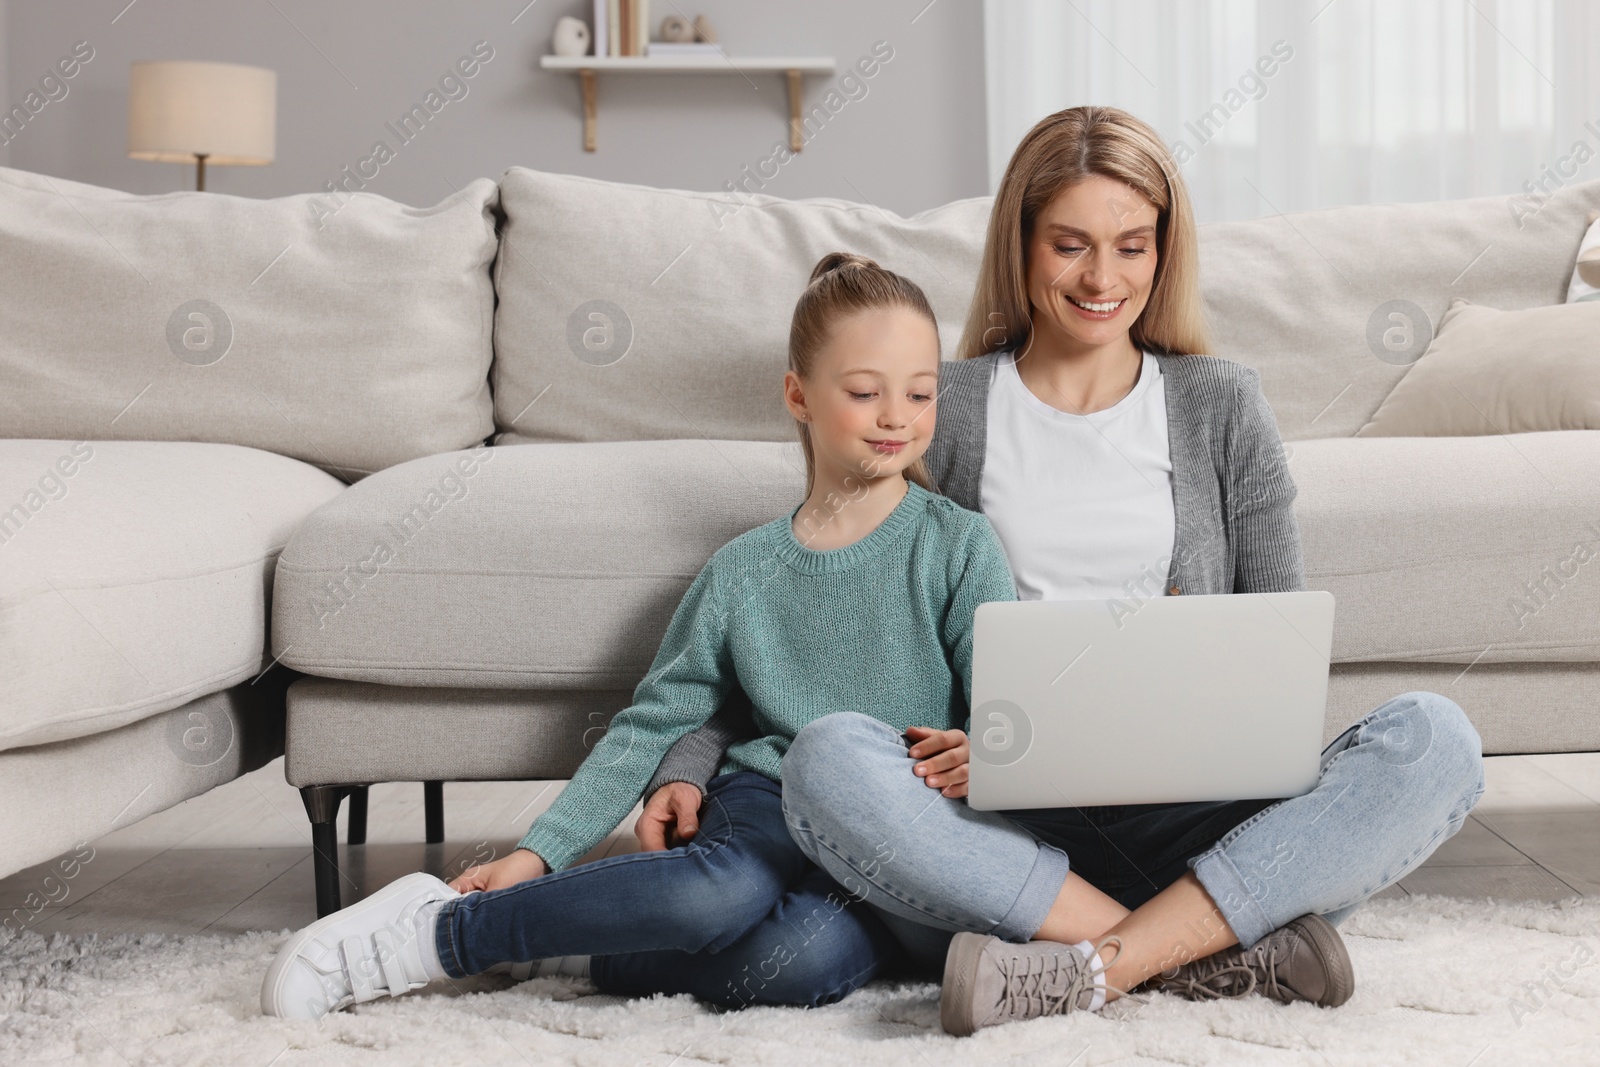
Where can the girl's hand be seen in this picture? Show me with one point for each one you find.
(943, 756)
(670, 817)
(519, 866)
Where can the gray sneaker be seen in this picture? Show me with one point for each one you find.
(1301, 960)
(988, 981)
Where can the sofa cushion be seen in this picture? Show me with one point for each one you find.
(1308, 298)
(558, 566)
(134, 576)
(552, 566)
(631, 313)
(1491, 371)
(1455, 549)
(347, 330)
(61, 795)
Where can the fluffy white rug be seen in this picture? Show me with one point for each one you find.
(1439, 981)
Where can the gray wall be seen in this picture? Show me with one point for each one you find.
(5, 85)
(914, 140)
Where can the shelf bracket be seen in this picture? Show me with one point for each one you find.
(796, 90)
(587, 80)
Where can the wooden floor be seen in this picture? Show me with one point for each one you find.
(239, 857)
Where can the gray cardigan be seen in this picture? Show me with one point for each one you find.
(1231, 493)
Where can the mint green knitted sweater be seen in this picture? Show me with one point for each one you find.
(882, 627)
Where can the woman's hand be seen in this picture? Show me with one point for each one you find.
(943, 756)
(671, 816)
(519, 866)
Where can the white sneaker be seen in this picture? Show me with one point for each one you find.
(381, 946)
(555, 966)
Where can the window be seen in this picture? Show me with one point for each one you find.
(1284, 105)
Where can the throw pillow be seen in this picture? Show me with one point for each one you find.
(1586, 276)
(1490, 371)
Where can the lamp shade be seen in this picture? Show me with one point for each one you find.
(224, 111)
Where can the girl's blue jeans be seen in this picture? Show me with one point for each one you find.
(738, 916)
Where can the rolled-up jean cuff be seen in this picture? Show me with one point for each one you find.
(1038, 895)
(1244, 914)
(443, 941)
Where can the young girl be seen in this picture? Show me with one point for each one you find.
(861, 600)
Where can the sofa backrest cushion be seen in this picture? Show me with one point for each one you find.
(632, 313)
(349, 331)
(1310, 299)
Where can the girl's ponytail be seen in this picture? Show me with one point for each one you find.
(842, 283)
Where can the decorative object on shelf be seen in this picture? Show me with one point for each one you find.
(677, 29)
(704, 30)
(710, 61)
(571, 37)
(181, 110)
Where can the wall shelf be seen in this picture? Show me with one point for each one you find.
(794, 68)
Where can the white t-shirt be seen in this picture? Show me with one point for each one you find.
(1082, 503)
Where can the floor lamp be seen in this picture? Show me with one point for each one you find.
(218, 113)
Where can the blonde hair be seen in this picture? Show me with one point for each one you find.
(1060, 151)
(842, 283)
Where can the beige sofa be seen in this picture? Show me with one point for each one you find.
(469, 612)
(184, 380)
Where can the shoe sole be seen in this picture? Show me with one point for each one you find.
(1335, 959)
(955, 997)
(272, 985)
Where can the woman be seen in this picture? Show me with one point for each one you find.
(1110, 462)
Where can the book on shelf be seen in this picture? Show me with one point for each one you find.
(622, 28)
(630, 27)
(601, 9)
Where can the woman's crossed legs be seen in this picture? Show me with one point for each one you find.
(1393, 787)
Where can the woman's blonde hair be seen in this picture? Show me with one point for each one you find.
(1062, 150)
(842, 283)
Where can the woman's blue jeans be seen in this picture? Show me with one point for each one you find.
(738, 916)
(1392, 788)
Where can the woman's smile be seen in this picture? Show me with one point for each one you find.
(1097, 310)
(888, 446)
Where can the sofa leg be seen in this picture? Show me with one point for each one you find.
(433, 811)
(322, 806)
(356, 832)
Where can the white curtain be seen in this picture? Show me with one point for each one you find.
(1283, 105)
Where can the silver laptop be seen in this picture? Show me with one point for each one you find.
(1078, 703)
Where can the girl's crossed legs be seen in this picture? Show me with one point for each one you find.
(737, 916)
